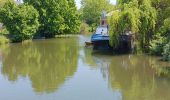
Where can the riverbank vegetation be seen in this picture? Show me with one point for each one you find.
(3, 40)
(20, 20)
(148, 20)
(39, 19)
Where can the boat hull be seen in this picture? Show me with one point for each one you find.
(100, 42)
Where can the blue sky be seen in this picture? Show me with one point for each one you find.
(79, 4)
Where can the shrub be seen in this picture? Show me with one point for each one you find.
(20, 20)
(166, 52)
(156, 45)
(84, 28)
(3, 40)
(4, 31)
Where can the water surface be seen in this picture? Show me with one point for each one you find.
(63, 69)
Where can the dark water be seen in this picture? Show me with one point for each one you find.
(63, 69)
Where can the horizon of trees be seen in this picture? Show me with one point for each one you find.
(47, 19)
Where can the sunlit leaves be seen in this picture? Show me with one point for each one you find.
(137, 16)
(56, 16)
(20, 20)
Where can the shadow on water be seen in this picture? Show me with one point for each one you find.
(103, 52)
(110, 52)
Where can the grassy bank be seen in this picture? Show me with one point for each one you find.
(66, 36)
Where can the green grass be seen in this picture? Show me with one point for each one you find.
(66, 36)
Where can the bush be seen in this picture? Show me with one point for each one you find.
(166, 52)
(84, 28)
(4, 31)
(20, 20)
(156, 45)
(3, 40)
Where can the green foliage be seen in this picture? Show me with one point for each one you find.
(84, 28)
(156, 45)
(92, 9)
(166, 52)
(2, 2)
(4, 40)
(124, 20)
(167, 24)
(56, 16)
(136, 16)
(20, 20)
(129, 20)
(148, 22)
(124, 1)
(72, 18)
(3, 31)
(114, 30)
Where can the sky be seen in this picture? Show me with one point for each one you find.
(79, 4)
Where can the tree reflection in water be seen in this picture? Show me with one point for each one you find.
(136, 77)
(46, 64)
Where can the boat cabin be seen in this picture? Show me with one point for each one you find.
(100, 39)
(102, 31)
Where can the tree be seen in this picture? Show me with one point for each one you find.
(139, 17)
(92, 9)
(56, 16)
(148, 22)
(20, 20)
(161, 39)
(2, 2)
(114, 30)
(126, 19)
(72, 18)
(124, 1)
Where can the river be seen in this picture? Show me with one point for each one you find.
(63, 69)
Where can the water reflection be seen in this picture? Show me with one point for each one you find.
(46, 65)
(49, 64)
(137, 77)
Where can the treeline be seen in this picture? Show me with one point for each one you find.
(148, 20)
(39, 18)
(91, 11)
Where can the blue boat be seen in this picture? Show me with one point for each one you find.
(100, 38)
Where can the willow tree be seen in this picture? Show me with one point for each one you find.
(148, 21)
(138, 17)
(114, 29)
(126, 19)
(129, 20)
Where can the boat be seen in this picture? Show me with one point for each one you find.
(100, 38)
